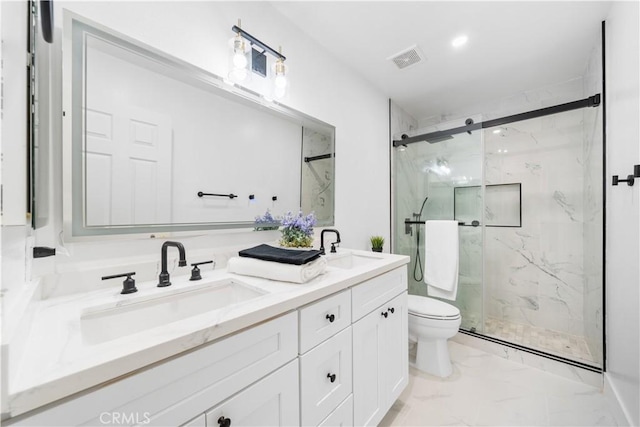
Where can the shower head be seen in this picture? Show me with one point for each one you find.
(404, 136)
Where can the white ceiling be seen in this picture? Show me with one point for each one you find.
(513, 46)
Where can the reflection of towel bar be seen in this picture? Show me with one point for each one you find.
(473, 223)
(231, 196)
(320, 157)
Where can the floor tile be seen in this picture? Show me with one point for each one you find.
(488, 390)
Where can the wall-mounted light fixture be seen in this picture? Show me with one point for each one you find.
(248, 54)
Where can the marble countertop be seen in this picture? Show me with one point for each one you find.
(53, 360)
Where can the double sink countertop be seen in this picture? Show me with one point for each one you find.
(75, 342)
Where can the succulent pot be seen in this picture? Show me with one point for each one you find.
(376, 249)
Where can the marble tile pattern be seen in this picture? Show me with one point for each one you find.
(534, 275)
(559, 343)
(317, 176)
(486, 390)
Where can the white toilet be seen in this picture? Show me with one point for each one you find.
(431, 323)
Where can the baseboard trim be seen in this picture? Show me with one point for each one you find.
(611, 393)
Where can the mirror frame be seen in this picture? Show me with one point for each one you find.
(74, 228)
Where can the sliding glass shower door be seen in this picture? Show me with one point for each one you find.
(543, 274)
(428, 178)
(528, 198)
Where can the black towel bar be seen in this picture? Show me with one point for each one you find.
(231, 195)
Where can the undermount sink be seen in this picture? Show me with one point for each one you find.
(347, 260)
(110, 321)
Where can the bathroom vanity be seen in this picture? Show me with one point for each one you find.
(226, 350)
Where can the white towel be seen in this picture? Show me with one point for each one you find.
(441, 259)
(276, 270)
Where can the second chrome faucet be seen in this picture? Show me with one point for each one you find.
(163, 279)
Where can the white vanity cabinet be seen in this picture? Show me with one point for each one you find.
(272, 401)
(380, 345)
(181, 389)
(325, 359)
(199, 421)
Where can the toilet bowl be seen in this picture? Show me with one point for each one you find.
(431, 323)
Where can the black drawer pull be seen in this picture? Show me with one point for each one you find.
(330, 317)
(224, 422)
(331, 377)
(392, 310)
(385, 314)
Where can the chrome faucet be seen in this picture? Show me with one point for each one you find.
(164, 274)
(333, 247)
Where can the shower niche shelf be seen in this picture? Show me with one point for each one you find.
(502, 204)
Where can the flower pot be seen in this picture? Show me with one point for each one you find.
(376, 249)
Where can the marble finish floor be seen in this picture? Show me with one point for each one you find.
(559, 343)
(487, 390)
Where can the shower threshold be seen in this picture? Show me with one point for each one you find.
(548, 343)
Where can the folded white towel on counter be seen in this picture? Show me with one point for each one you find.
(277, 271)
(441, 259)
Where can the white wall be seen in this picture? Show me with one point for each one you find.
(14, 109)
(13, 146)
(623, 208)
(320, 87)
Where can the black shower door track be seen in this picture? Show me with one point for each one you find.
(433, 137)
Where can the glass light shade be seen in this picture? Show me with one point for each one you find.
(279, 79)
(239, 59)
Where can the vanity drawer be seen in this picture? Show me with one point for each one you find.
(325, 378)
(342, 416)
(272, 401)
(374, 292)
(323, 319)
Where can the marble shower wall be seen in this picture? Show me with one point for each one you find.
(317, 176)
(404, 188)
(534, 274)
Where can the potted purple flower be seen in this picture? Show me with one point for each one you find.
(297, 230)
(266, 222)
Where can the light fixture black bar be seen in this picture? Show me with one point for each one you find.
(592, 101)
(231, 195)
(255, 41)
(320, 157)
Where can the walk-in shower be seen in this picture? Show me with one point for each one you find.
(527, 192)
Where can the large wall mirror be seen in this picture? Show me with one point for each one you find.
(155, 144)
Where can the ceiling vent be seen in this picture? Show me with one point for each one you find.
(408, 57)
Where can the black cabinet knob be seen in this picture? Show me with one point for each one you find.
(224, 422)
(332, 377)
(330, 318)
(385, 314)
(392, 310)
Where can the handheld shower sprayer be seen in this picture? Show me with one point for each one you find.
(418, 274)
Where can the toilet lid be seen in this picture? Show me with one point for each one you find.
(431, 307)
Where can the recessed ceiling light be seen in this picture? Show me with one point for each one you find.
(497, 131)
(459, 41)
